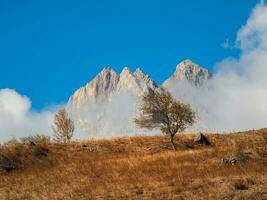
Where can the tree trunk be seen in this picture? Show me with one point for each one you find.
(171, 140)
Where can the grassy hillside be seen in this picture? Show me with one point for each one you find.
(141, 168)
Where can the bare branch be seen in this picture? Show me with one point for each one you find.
(63, 126)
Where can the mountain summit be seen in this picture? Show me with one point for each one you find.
(108, 82)
(98, 90)
(188, 71)
(109, 102)
(135, 82)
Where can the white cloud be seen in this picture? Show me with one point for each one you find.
(114, 118)
(253, 34)
(236, 97)
(17, 119)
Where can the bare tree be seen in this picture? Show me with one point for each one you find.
(63, 126)
(160, 110)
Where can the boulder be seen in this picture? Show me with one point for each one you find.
(231, 161)
(201, 139)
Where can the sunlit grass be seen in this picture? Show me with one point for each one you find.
(144, 168)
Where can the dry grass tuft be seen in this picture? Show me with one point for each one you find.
(140, 168)
(24, 153)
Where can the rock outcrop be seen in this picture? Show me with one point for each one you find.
(188, 71)
(98, 90)
(136, 82)
(201, 139)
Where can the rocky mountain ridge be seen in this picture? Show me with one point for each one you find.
(110, 100)
(107, 82)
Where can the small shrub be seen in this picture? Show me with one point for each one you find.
(16, 154)
(36, 139)
(240, 154)
(240, 185)
(242, 157)
(6, 164)
(244, 183)
(262, 153)
(39, 152)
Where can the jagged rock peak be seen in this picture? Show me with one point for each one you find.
(99, 89)
(142, 77)
(108, 82)
(140, 74)
(126, 69)
(126, 73)
(104, 83)
(107, 70)
(135, 82)
(188, 67)
(189, 71)
(138, 71)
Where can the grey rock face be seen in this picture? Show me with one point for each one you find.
(135, 82)
(108, 82)
(98, 90)
(188, 71)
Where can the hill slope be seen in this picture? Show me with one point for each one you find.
(145, 168)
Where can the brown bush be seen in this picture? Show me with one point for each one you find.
(39, 152)
(17, 154)
(6, 164)
(241, 185)
(36, 139)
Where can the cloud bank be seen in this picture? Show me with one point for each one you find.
(17, 119)
(236, 97)
(114, 118)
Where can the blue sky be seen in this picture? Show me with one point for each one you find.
(50, 48)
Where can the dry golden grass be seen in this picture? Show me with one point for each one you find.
(145, 168)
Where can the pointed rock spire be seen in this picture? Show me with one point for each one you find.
(189, 71)
(97, 90)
